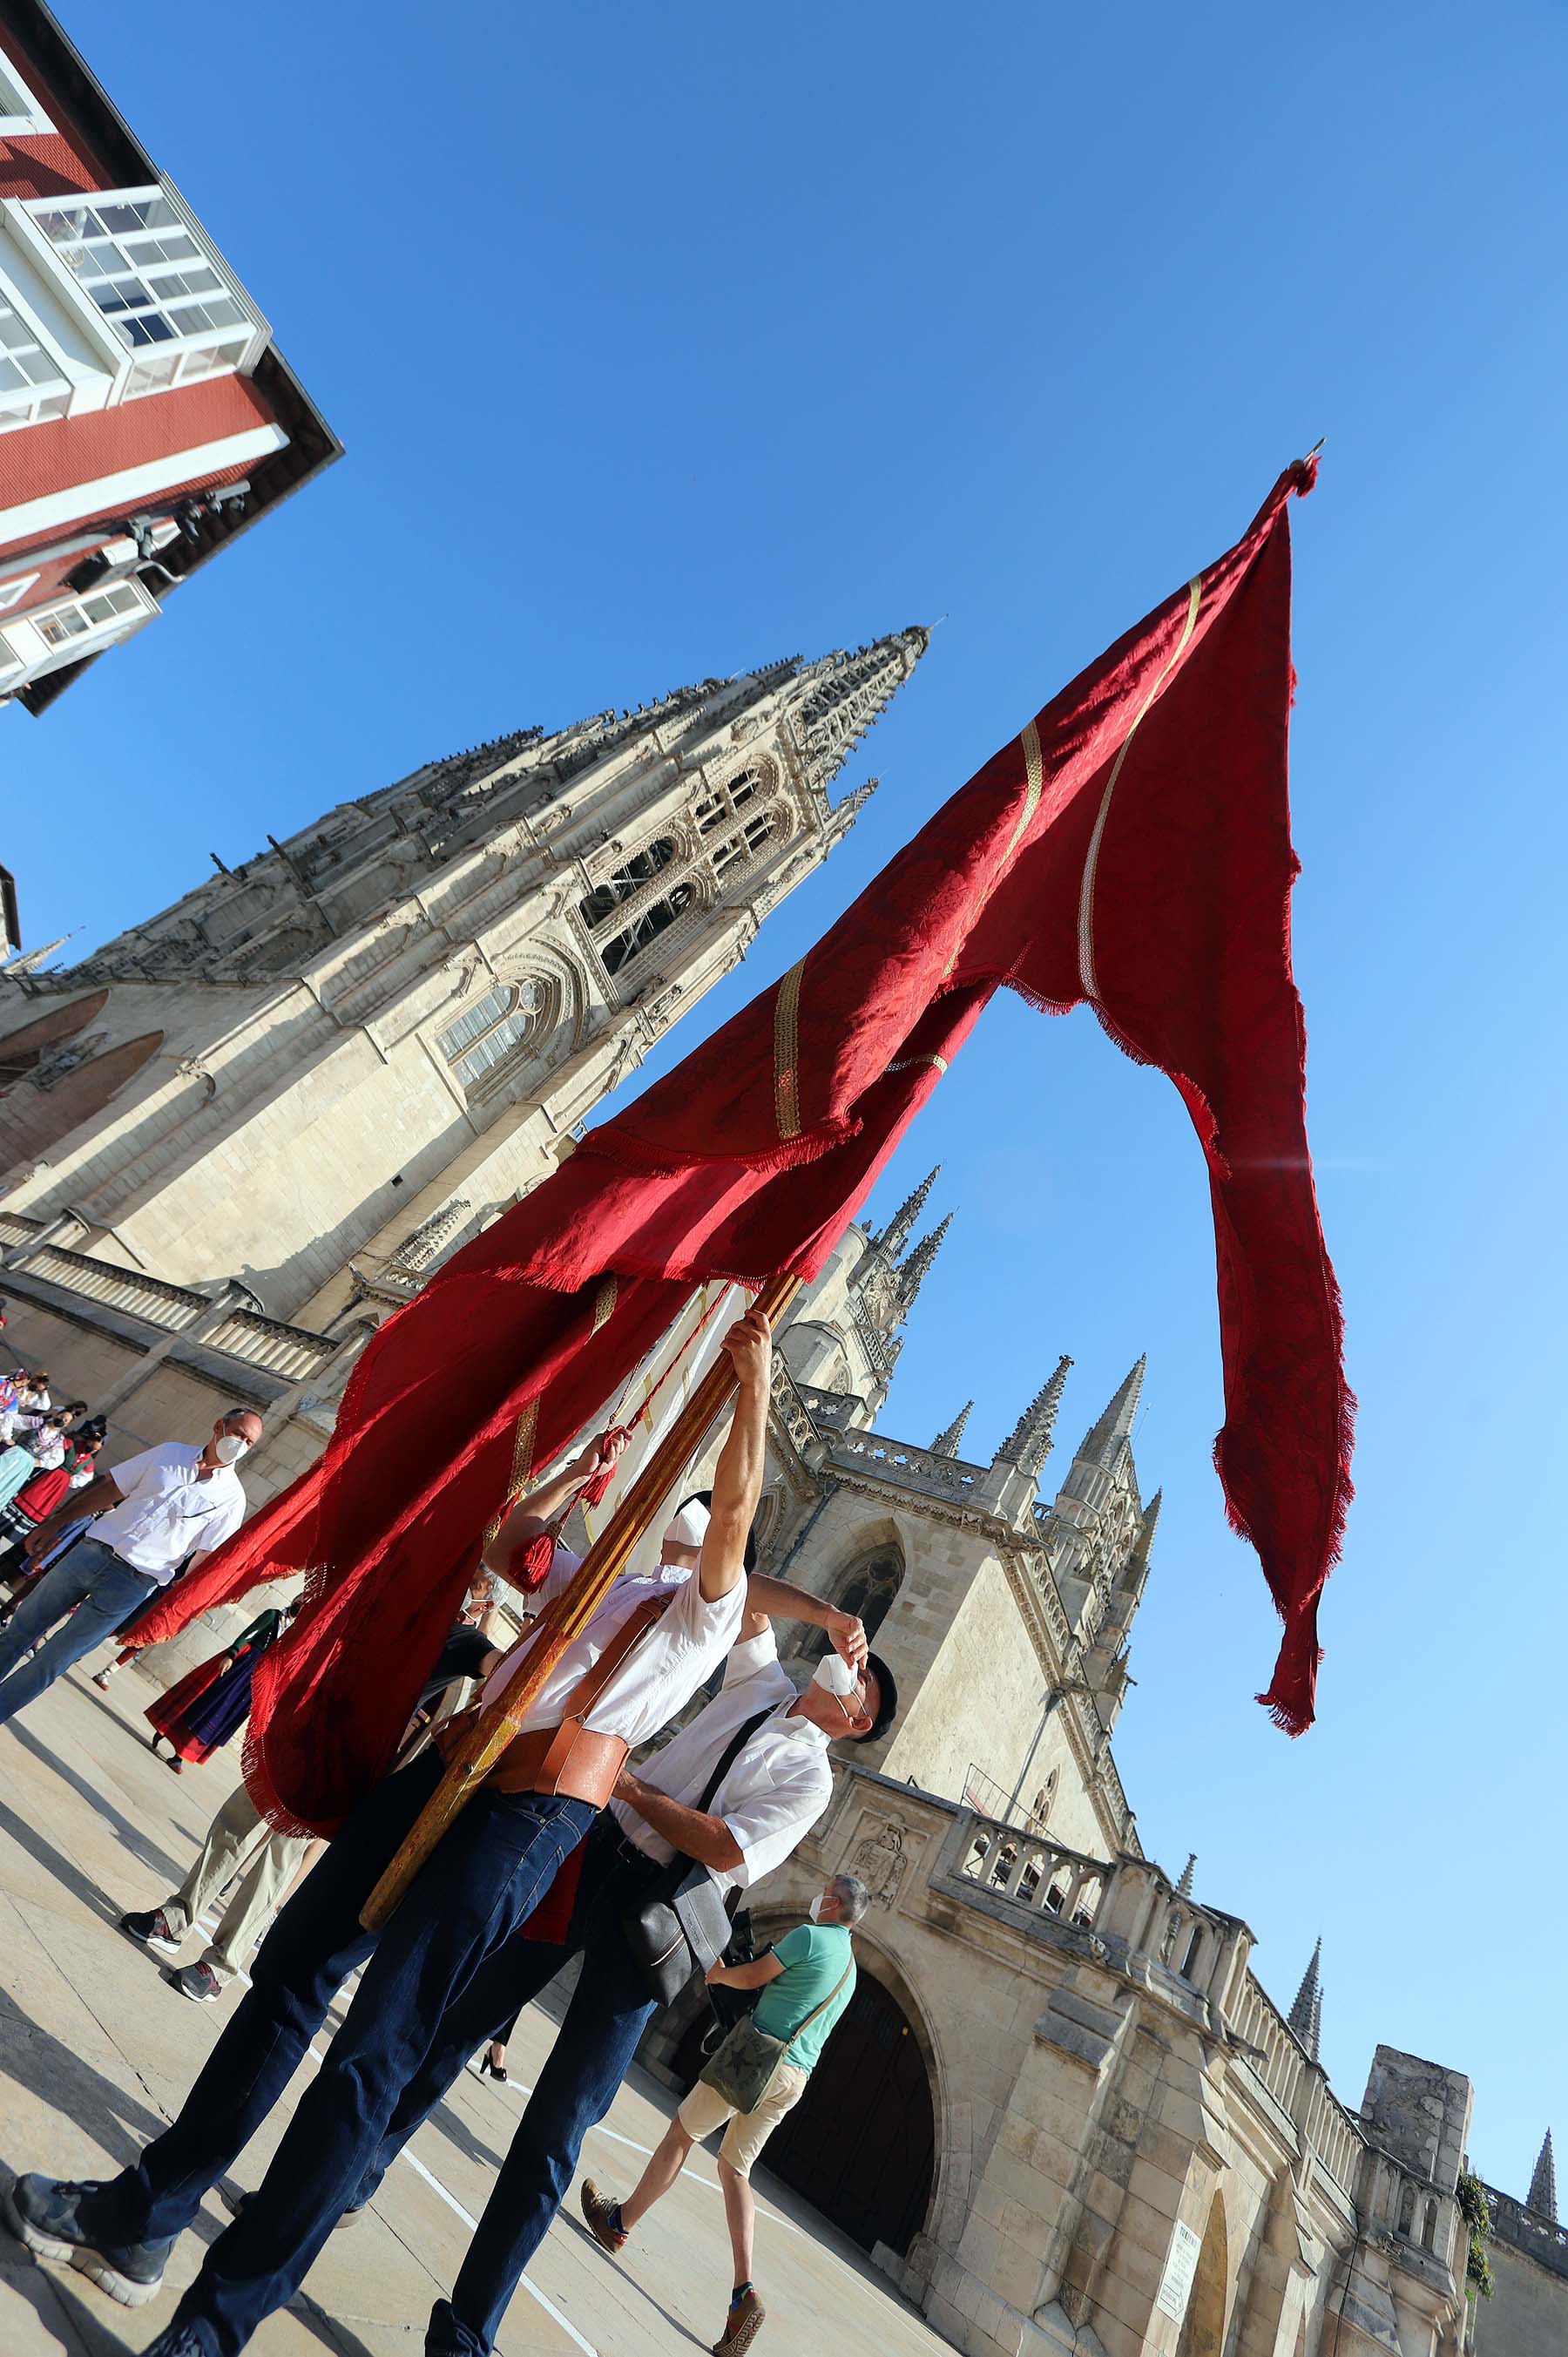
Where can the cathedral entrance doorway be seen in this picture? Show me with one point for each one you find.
(860, 2144)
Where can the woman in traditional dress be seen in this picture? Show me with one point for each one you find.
(199, 1715)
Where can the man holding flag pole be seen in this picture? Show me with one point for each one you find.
(1128, 849)
(667, 1624)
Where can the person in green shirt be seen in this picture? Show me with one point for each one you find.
(807, 1979)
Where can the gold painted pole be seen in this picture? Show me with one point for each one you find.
(568, 1617)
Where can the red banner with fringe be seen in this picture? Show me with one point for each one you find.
(1130, 850)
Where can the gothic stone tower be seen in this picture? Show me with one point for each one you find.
(326, 1068)
(1004, 1613)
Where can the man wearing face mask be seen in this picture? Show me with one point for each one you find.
(738, 1789)
(154, 1512)
(655, 1637)
(807, 1979)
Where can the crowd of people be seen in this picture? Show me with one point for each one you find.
(566, 1853)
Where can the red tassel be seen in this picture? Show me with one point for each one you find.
(529, 1564)
(592, 1492)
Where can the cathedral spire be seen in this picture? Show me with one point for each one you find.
(914, 1272)
(1183, 1888)
(1543, 2195)
(1104, 1439)
(946, 1440)
(901, 1226)
(1028, 1444)
(838, 698)
(1136, 1570)
(1305, 2015)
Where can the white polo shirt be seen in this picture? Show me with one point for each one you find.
(167, 1512)
(660, 1674)
(775, 1789)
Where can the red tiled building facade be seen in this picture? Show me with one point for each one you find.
(145, 414)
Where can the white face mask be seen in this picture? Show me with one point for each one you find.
(229, 1448)
(815, 1908)
(833, 1672)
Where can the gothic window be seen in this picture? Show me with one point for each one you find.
(744, 846)
(868, 1591)
(489, 1032)
(1040, 1806)
(622, 947)
(641, 869)
(722, 803)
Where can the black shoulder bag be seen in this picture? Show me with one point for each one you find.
(676, 1921)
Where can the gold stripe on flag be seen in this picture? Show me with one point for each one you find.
(521, 1461)
(1087, 974)
(1035, 769)
(787, 1054)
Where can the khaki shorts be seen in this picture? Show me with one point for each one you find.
(705, 2109)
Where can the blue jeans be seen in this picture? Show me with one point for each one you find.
(592, 2054)
(97, 1588)
(489, 1870)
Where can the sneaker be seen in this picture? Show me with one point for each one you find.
(44, 2212)
(198, 1981)
(152, 1930)
(603, 2215)
(744, 2321)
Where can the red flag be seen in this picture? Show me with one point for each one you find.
(1129, 849)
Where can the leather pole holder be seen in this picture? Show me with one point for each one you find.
(568, 1758)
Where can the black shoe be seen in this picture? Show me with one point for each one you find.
(198, 1981)
(45, 2214)
(152, 1930)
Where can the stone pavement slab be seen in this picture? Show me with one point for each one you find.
(96, 2054)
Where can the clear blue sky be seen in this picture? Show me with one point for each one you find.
(666, 342)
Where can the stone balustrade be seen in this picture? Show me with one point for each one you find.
(1335, 2139)
(913, 1467)
(1526, 2230)
(291, 1353)
(171, 1307)
(1036, 1875)
(1271, 2051)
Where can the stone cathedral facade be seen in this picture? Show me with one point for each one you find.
(1064, 2114)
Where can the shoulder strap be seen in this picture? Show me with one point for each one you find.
(826, 2001)
(731, 1753)
(632, 1630)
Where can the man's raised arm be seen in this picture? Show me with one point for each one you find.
(738, 1477)
(779, 1600)
(539, 1509)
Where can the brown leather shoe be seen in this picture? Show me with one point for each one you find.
(742, 2325)
(601, 2210)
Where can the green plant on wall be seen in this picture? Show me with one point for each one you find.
(1477, 2220)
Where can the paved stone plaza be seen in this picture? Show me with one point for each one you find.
(96, 2054)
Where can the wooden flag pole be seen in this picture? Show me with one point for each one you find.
(563, 1620)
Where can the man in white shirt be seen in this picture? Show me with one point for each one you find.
(648, 1648)
(774, 1785)
(169, 1505)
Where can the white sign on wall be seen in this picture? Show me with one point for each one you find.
(1176, 2284)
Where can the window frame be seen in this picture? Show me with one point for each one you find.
(120, 362)
(28, 663)
(455, 1059)
(32, 123)
(62, 383)
(14, 590)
